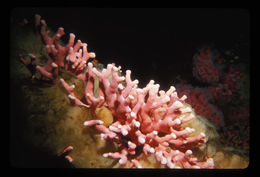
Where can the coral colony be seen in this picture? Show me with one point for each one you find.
(201, 101)
(220, 85)
(146, 120)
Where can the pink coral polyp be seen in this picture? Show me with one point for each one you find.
(152, 124)
(146, 119)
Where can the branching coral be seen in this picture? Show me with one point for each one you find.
(145, 120)
(202, 101)
(71, 57)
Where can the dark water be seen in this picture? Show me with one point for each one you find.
(154, 43)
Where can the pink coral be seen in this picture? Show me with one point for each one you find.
(201, 101)
(143, 118)
(229, 86)
(146, 119)
(70, 57)
(222, 85)
(31, 65)
(204, 68)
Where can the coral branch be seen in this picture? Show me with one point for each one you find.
(146, 119)
(140, 121)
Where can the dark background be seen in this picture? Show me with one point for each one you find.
(155, 43)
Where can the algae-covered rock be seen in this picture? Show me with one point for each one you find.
(104, 114)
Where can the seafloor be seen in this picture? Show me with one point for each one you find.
(43, 122)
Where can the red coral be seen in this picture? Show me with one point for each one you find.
(202, 102)
(204, 68)
(238, 114)
(231, 79)
(222, 85)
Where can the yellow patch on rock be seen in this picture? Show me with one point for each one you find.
(104, 114)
